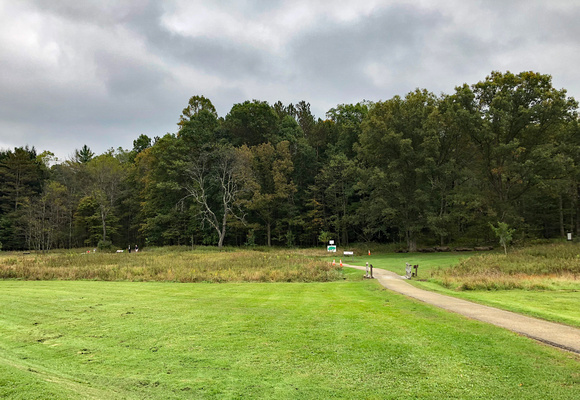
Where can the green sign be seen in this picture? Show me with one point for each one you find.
(331, 248)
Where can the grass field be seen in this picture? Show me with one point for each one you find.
(540, 281)
(171, 264)
(336, 336)
(552, 305)
(346, 339)
(428, 262)
(546, 267)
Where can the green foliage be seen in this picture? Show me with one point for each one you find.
(141, 143)
(403, 151)
(84, 155)
(220, 183)
(252, 123)
(107, 176)
(324, 236)
(45, 217)
(421, 169)
(518, 119)
(22, 175)
(270, 183)
(504, 234)
(105, 245)
(290, 239)
(88, 222)
(348, 119)
(196, 105)
(251, 238)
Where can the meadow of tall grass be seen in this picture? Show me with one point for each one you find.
(545, 267)
(170, 264)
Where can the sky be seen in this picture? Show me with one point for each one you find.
(103, 72)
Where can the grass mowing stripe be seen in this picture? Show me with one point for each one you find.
(348, 339)
(43, 383)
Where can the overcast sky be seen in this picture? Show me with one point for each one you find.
(103, 72)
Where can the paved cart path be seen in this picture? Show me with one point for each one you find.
(562, 336)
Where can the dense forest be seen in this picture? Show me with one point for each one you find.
(421, 169)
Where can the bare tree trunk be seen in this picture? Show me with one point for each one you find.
(578, 210)
(223, 230)
(103, 217)
(230, 182)
(269, 232)
(561, 211)
(411, 242)
(70, 230)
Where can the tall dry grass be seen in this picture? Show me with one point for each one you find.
(546, 267)
(174, 265)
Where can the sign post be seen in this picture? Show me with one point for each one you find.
(331, 248)
(349, 253)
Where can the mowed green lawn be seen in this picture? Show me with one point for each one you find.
(347, 339)
(562, 304)
(396, 261)
(553, 305)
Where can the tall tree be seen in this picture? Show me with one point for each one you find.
(449, 164)
(217, 182)
(520, 116)
(21, 176)
(272, 170)
(305, 118)
(84, 155)
(252, 123)
(73, 176)
(107, 174)
(336, 181)
(21, 179)
(393, 147)
(348, 119)
(141, 143)
(46, 217)
(195, 106)
(159, 179)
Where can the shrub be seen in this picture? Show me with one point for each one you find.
(105, 245)
(533, 268)
(503, 233)
(290, 239)
(251, 238)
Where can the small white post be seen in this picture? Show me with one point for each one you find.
(408, 270)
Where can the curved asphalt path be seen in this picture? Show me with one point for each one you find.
(558, 335)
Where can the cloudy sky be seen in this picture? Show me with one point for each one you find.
(103, 72)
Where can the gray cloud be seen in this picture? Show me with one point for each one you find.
(335, 55)
(104, 72)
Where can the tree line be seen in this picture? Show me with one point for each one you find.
(420, 169)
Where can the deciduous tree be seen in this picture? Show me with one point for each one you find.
(217, 180)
